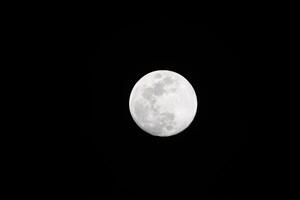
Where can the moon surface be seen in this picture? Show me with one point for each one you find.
(163, 103)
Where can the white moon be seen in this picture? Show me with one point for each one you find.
(163, 103)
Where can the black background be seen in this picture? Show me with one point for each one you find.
(113, 157)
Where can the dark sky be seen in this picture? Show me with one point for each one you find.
(113, 156)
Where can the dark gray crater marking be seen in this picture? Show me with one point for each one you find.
(158, 76)
(166, 119)
(158, 88)
(149, 93)
(141, 111)
(168, 80)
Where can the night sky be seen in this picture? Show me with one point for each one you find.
(113, 157)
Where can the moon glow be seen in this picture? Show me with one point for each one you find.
(163, 103)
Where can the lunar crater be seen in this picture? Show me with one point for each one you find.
(168, 80)
(157, 75)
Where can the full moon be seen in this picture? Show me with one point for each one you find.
(163, 103)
